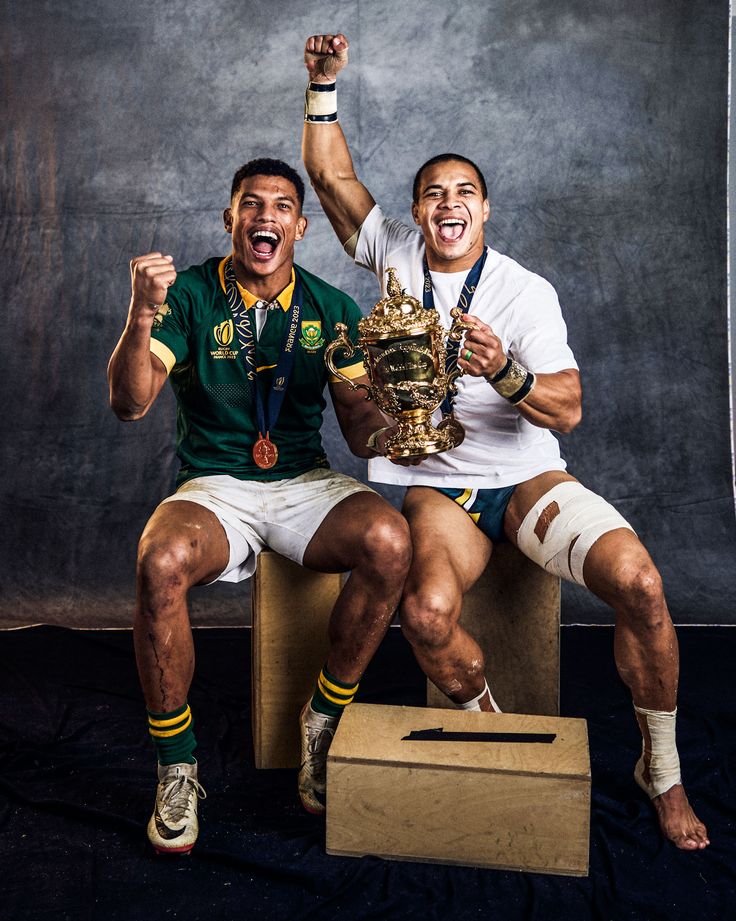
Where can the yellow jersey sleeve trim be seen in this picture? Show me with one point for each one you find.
(352, 371)
(164, 353)
(264, 368)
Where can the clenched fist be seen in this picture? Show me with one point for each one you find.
(150, 277)
(481, 354)
(325, 56)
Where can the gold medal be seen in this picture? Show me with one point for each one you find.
(265, 452)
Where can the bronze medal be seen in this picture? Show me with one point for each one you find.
(265, 452)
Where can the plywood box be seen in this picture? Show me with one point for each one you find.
(513, 612)
(291, 609)
(515, 804)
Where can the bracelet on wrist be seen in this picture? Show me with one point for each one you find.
(320, 103)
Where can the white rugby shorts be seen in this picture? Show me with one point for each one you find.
(280, 514)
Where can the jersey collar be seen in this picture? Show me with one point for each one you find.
(249, 299)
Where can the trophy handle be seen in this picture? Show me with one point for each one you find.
(455, 334)
(343, 343)
(459, 326)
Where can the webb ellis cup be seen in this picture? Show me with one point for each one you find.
(404, 355)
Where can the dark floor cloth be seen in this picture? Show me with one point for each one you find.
(77, 781)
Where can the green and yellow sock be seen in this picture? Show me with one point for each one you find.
(173, 735)
(332, 695)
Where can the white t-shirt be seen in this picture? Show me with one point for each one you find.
(500, 448)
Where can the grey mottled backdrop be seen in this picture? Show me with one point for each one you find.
(602, 127)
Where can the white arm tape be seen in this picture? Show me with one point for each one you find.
(351, 244)
(584, 516)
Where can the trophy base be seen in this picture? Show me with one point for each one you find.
(420, 438)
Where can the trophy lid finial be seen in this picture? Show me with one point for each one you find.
(393, 285)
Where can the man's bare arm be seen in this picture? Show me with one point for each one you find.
(134, 374)
(345, 199)
(357, 417)
(555, 402)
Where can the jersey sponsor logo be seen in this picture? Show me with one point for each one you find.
(311, 338)
(223, 334)
(162, 312)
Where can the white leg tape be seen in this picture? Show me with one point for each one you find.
(664, 766)
(584, 516)
(474, 704)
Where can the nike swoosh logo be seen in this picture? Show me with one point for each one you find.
(168, 834)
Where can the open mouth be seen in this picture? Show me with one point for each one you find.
(263, 243)
(451, 229)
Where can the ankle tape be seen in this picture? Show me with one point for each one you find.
(664, 765)
(474, 704)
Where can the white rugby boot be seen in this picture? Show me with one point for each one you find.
(317, 731)
(173, 827)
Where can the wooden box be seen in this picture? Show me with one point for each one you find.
(508, 804)
(291, 608)
(513, 612)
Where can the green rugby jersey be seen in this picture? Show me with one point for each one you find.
(194, 336)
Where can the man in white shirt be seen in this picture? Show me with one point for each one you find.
(507, 479)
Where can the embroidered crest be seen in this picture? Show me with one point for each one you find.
(311, 338)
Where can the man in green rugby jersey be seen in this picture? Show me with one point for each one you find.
(242, 339)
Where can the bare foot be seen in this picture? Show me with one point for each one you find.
(677, 820)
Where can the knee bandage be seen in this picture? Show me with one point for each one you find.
(664, 763)
(582, 518)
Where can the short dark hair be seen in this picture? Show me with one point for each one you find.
(265, 166)
(444, 158)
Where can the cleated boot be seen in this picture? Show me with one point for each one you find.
(173, 827)
(317, 731)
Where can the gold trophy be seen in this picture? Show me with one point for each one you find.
(404, 356)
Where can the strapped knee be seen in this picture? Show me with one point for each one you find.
(559, 530)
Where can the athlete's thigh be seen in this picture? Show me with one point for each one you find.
(350, 529)
(449, 549)
(193, 534)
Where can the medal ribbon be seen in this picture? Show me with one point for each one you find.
(267, 411)
(466, 296)
(242, 320)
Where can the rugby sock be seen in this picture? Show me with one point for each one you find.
(173, 735)
(331, 695)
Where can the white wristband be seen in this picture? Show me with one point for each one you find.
(320, 106)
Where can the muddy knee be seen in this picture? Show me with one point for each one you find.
(164, 573)
(386, 547)
(641, 595)
(428, 618)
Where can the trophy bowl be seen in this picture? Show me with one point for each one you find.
(405, 358)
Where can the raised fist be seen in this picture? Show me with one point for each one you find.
(325, 56)
(150, 277)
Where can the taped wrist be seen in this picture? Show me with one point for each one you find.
(320, 103)
(513, 382)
